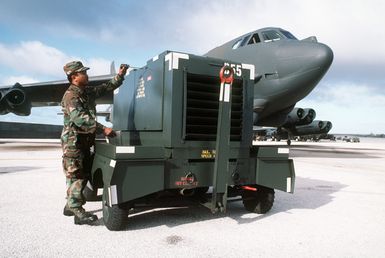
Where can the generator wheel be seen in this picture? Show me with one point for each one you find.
(114, 218)
(201, 190)
(259, 201)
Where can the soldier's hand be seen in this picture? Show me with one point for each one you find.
(123, 69)
(109, 132)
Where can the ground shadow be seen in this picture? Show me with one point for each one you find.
(309, 194)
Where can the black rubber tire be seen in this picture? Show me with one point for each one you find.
(201, 190)
(114, 218)
(260, 201)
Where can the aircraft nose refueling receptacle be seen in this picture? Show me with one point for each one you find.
(186, 132)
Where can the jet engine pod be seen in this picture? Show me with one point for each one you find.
(326, 126)
(15, 97)
(315, 127)
(295, 116)
(329, 126)
(3, 104)
(17, 101)
(308, 116)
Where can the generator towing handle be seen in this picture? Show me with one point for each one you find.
(222, 146)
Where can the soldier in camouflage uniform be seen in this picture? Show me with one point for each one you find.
(78, 136)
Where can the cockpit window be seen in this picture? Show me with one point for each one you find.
(241, 42)
(287, 34)
(244, 41)
(254, 39)
(271, 35)
(237, 44)
(267, 36)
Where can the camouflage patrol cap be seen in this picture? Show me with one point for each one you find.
(74, 67)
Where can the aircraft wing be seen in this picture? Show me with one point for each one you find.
(19, 98)
(29, 131)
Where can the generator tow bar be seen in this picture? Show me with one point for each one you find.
(222, 147)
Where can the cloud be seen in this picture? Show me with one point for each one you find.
(80, 14)
(355, 83)
(352, 108)
(359, 120)
(348, 94)
(98, 66)
(20, 79)
(201, 25)
(33, 59)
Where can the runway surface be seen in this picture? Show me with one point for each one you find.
(337, 210)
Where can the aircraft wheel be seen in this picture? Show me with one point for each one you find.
(114, 218)
(259, 201)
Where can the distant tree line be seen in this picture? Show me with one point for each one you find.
(377, 135)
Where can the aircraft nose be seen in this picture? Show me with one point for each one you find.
(307, 58)
(322, 56)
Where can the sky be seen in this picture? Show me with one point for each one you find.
(38, 37)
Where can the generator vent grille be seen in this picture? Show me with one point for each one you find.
(202, 108)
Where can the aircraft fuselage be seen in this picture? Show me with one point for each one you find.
(286, 69)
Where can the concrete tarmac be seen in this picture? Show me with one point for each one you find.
(337, 210)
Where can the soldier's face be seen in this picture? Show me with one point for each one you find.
(82, 78)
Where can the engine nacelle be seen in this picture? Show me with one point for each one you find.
(327, 126)
(294, 117)
(3, 104)
(308, 116)
(315, 127)
(278, 119)
(15, 100)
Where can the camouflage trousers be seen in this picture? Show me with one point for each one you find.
(77, 164)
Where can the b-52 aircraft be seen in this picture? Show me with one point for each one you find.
(286, 71)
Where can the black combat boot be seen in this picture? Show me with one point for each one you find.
(67, 211)
(82, 217)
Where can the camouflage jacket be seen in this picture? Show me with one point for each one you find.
(79, 109)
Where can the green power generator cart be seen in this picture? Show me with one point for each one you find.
(185, 128)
